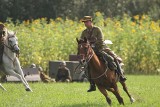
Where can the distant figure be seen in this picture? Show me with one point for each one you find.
(44, 78)
(63, 74)
(33, 65)
(3, 78)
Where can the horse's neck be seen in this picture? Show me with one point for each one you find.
(94, 61)
(8, 51)
(96, 65)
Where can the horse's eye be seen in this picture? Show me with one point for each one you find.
(3, 32)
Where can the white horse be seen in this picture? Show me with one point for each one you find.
(11, 65)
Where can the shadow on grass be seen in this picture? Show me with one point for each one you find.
(98, 105)
(85, 105)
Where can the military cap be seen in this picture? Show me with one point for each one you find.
(40, 69)
(63, 63)
(86, 18)
(33, 65)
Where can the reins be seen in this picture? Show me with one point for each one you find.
(99, 75)
(85, 65)
(8, 47)
(14, 59)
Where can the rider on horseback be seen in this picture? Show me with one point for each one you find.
(2, 34)
(95, 36)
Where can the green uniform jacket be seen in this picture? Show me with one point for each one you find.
(94, 35)
(63, 74)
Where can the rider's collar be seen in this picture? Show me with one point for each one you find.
(90, 28)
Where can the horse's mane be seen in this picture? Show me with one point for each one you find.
(10, 33)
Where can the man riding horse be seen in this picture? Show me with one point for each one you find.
(2, 34)
(96, 39)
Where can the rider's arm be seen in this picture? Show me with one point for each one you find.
(82, 35)
(100, 37)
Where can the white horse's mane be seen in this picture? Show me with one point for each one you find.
(10, 33)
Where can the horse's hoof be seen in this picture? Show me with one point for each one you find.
(28, 89)
(132, 100)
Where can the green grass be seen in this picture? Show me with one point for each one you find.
(145, 89)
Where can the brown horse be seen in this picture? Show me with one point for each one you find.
(104, 78)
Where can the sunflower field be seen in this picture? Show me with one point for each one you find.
(136, 42)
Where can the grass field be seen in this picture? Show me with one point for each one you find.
(145, 89)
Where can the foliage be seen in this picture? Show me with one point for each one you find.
(145, 89)
(33, 9)
(137, 42)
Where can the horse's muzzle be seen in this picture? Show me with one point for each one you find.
(16, 49)
(81, 59)
(82, 62)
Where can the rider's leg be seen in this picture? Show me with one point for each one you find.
(111, 53)
(92, 84)
(117, 60)
(109, 60)
(120, 71)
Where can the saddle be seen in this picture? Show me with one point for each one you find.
(110, 52)
(107, 60)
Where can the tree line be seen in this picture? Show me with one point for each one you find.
(76, 9)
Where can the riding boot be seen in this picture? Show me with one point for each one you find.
(92, 86)
(112, 66)
(120, 71)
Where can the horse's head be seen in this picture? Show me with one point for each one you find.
(13, 42)
(85, 51)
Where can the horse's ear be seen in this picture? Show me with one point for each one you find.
(15, 33)
(85, 39)
(77, 40)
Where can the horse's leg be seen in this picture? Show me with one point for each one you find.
(104, 92)
(11, 72)
(2, 87)
(20, 72)
(126, 90)
(22, 75)
(115, 91)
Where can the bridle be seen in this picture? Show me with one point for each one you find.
(9, 46)
(88, 53)
(88, 56)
